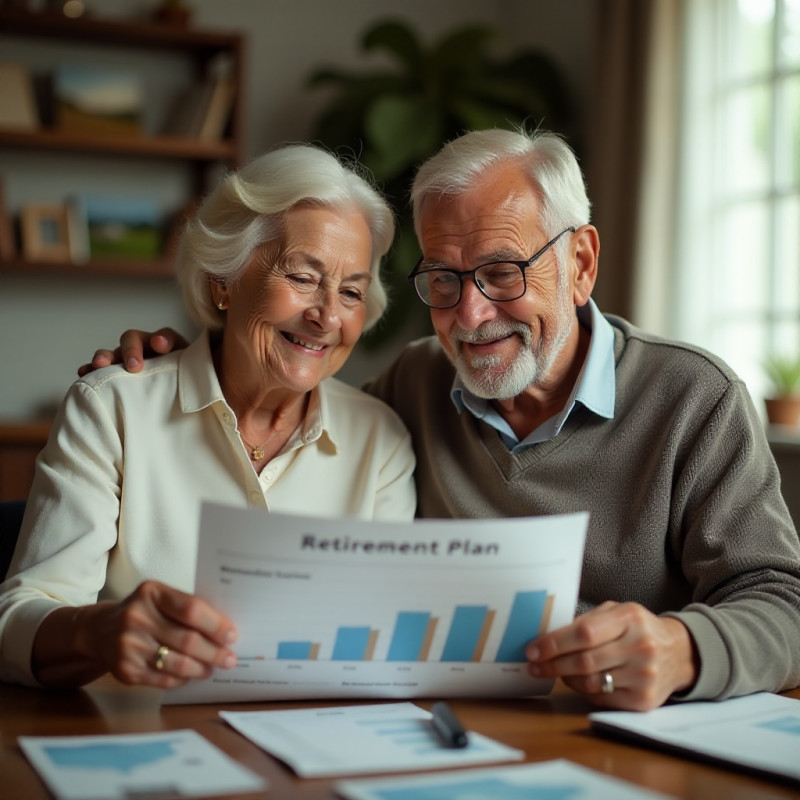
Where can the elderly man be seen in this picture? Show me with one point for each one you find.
(529, 401)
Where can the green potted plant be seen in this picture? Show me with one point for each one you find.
(783, 405)
(395, 117)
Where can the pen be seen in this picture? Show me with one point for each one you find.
(447, 726)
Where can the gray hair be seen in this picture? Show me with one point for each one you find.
(547, 159)
(246, 211)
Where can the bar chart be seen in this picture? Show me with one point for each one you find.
(413, 632)
(395, 611)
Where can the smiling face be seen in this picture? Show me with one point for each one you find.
(500, 349)
(298, 310)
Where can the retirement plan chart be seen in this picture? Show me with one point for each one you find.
(358, 609)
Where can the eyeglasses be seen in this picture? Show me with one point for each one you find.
(440, 287)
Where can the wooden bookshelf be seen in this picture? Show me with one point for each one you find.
(201, 47)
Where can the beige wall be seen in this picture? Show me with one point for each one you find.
(48, 325)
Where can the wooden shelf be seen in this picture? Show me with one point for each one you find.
(28, 431)
(105, 268)
(136, 34)
(20, 443)
(173, 147)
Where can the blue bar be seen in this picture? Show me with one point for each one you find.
(465, 630)
(350, 644)
(298, 651)
(408, 636)
(523, 625)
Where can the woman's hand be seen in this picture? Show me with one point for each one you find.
(134, 347)
(74, 646)
(648, 657)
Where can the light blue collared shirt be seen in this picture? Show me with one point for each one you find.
(594, 389)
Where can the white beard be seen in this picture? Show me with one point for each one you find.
(486, 376)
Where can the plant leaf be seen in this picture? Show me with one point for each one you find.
(398, 39)
(343, 122)
(401, 129)
(472, 114)
(404, 306)
(464, 49)
(784, 375)
(541, 74)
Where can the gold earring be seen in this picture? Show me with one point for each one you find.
(220, 304)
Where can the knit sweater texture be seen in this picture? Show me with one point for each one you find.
(686, 513)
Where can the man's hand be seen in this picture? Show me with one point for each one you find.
(648, 657)
(134, 347)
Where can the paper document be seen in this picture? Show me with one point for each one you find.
(352, 740)
(556, 780)
(346, 608)
(118, 767)
(760, 731)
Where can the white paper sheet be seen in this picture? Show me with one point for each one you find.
(760, 731)
(116, 767)
(343, 608)
(549, 780)
(353, 740)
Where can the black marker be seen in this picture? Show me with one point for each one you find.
(447, 726)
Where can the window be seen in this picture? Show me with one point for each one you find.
(737, 274)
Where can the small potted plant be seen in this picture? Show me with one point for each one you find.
(783, 406)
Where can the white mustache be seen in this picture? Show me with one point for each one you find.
(496, 329)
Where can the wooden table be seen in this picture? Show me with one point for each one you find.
(545, 728)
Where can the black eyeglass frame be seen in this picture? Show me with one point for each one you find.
(523, 265)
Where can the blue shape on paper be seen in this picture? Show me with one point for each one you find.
(409, 635)
(294, 651)
(465, 632)
(413, 726)
(494, 788)
(351, 644)
(782, 725)
(523, 625)
(117, 756)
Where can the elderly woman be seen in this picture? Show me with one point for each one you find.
(280, 267)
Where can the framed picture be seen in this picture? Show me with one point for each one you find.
(121, 227)
(97, 100)
(45, 233)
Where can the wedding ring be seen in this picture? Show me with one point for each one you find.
(163, 652)
(608, 683)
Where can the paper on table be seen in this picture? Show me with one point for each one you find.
(760, 731)
(549, 779)
(352, 608)
(352, 740)
(116, 767)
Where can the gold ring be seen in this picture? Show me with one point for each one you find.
(161, 655)
(608, 683)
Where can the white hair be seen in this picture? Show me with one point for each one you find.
(246, 210)
(546, 158)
